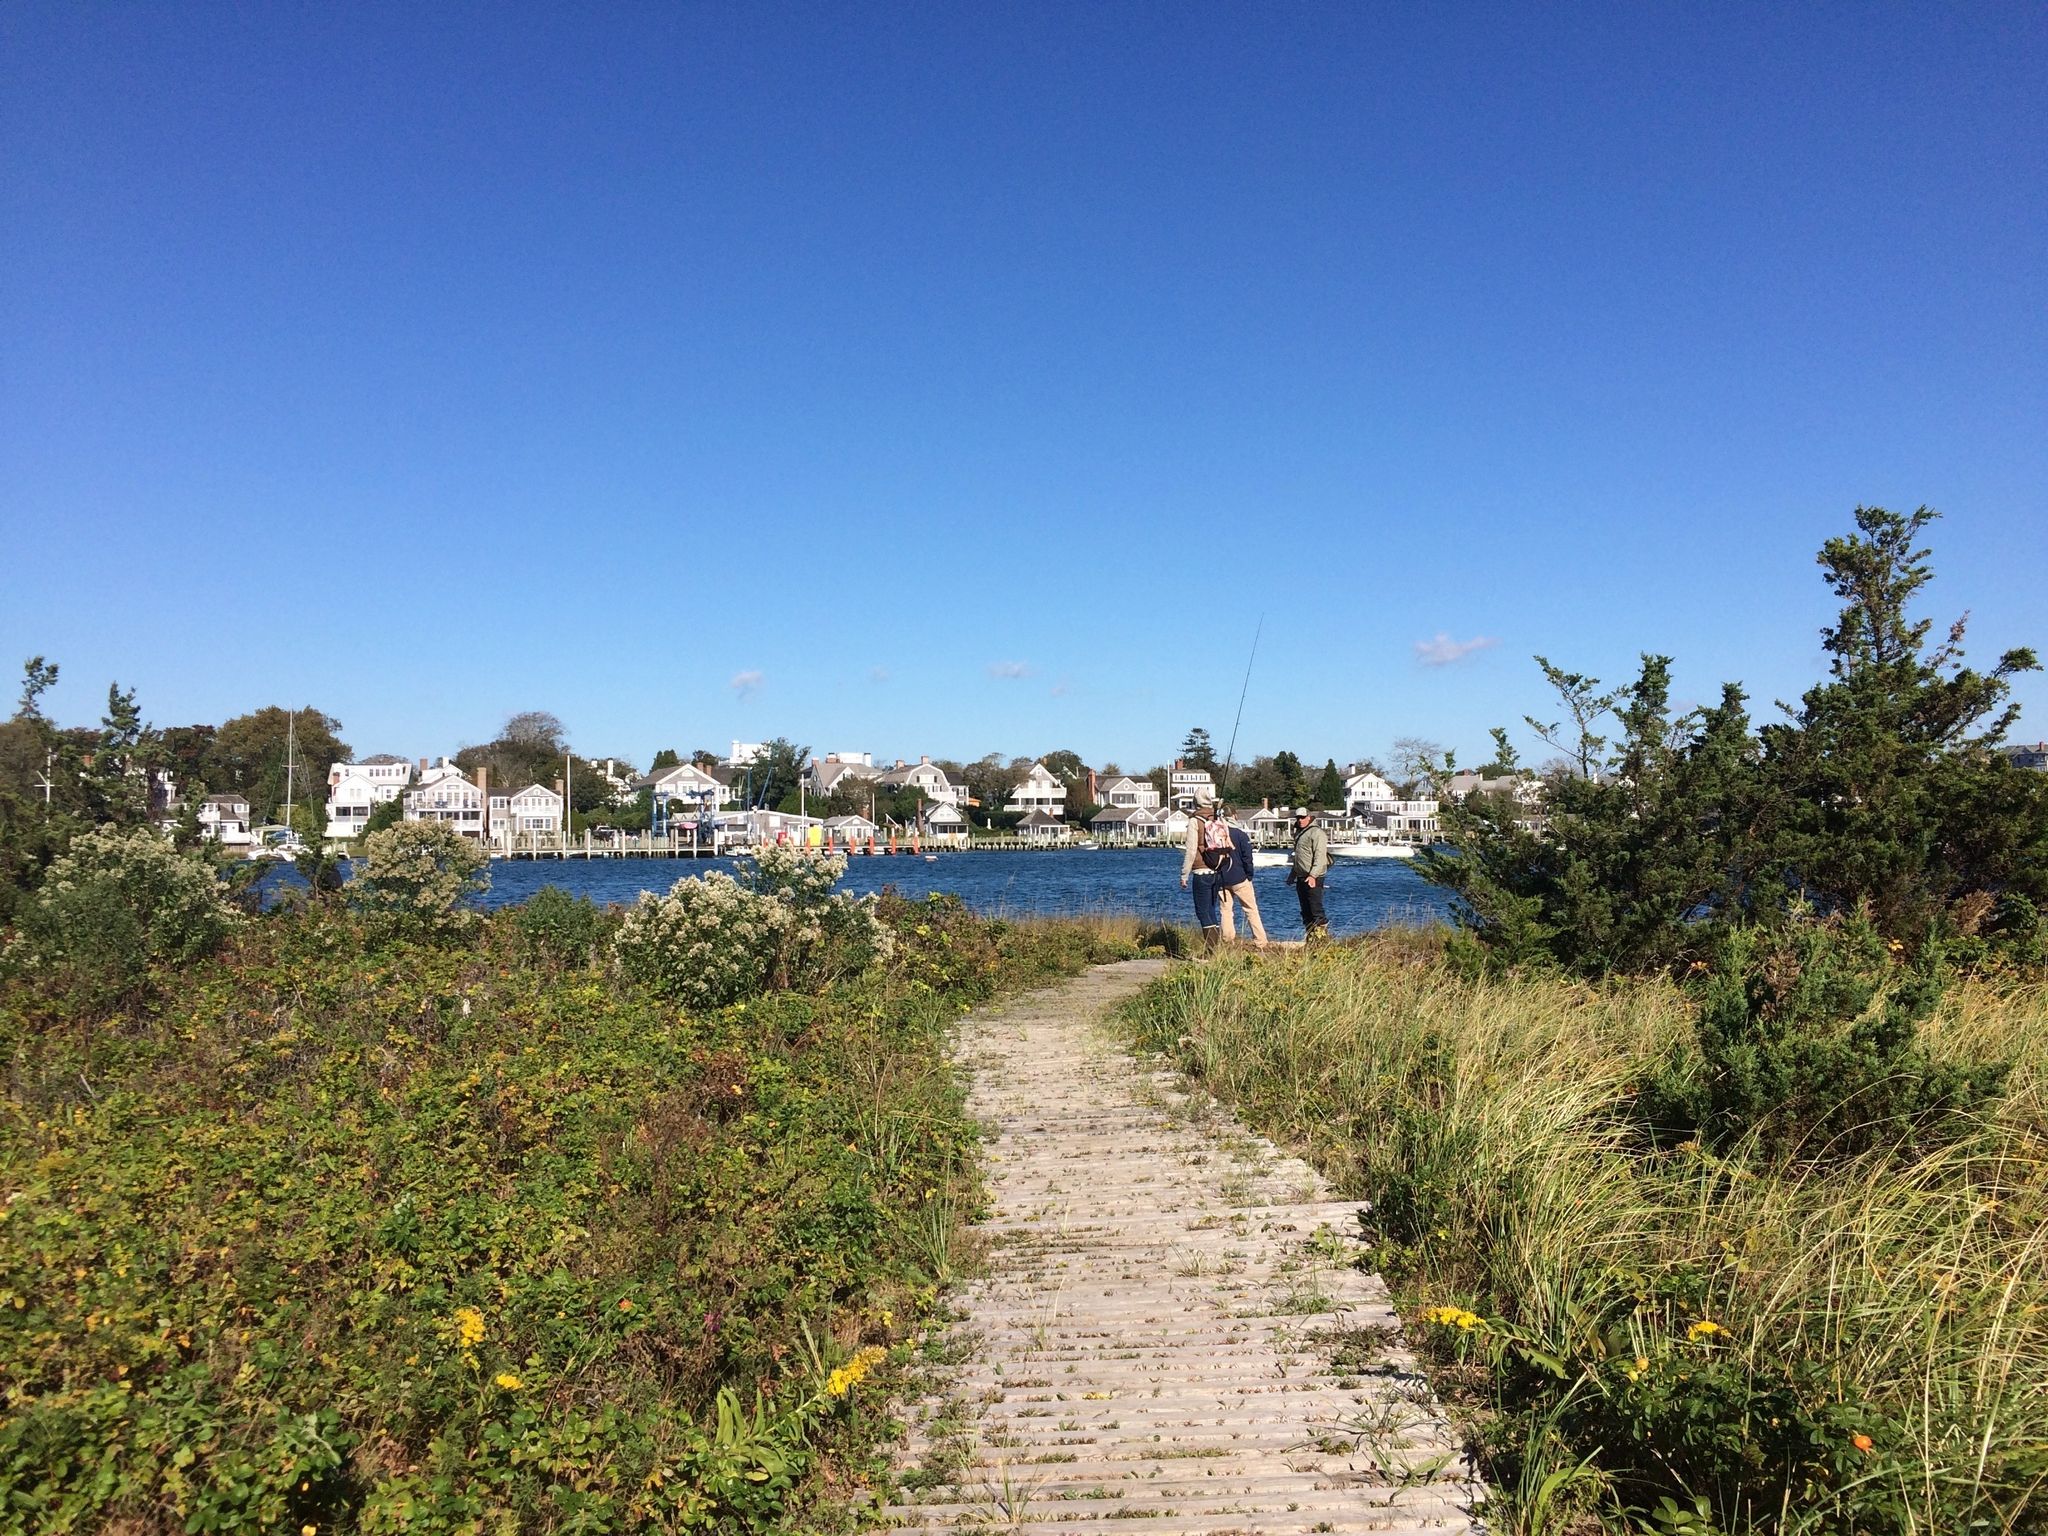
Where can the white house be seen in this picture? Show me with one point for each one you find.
(386, 775)
(443, 794)
(1040, 791)
(1170, 825)
(1527, 791)
(225, 819)
(534, 810)
(849, 831)
(1043, 827)
(688, 782)
(921, 777)
(1268, 825)
(745, 752)
(1184, 786)
(946, 822)
(1365, 791)
(350, 799)
(1128, 794)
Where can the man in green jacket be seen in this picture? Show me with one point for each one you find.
(1309, 872)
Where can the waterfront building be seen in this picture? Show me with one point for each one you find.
(745, 752)
(446, 795)
(1040, 791)
(1112, 824)
(839, 770)
(224, 819)
(356, 789)
(701, 788)
(845, 830)
(1184, 785)
(1043, 827)
(922, 778)
(1527, 791)
(1268, 825)
(1129, 794)
(2034, 757)
(945, 822)
(534, 811)
(1363, 790)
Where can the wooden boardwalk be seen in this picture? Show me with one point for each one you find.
(1171, 1334)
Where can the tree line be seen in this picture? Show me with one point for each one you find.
(1880, 797)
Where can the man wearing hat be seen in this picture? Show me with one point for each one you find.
(1308, 871)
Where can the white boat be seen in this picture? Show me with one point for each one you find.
(1280, 858)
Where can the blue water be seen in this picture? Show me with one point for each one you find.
(1143, 882)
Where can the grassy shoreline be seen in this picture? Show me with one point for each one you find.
(336, 1233)
(1664, 1340)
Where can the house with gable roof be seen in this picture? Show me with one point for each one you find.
(445, 794)
(921, 777)
(839, 770)
(1127, 793)
(1043, 827)
(1040, 790)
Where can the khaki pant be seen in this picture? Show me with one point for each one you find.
(1228, 898)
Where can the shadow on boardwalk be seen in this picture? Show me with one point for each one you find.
(1171, 1330)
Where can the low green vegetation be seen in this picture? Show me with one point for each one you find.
(376, 1214)
(1770, 1327)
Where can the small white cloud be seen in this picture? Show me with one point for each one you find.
(1061, 688)
(1009, 671)
(1443, 650)
(746, 683)
(878, 674)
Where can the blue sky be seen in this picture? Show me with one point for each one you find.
(967, 378)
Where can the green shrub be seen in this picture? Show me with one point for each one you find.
(1808, 1044)
(415, 878)
(115, 904)
(560, 929)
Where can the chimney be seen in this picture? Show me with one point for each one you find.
(924, 760)
(1177, 765)
(423, 765)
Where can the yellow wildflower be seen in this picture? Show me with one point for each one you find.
(1454, 1317)
(1705, 1328)
(854, 1372)
(1636, 1372)
(469, 1326)
(508, 1381)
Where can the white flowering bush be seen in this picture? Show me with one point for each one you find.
(708, 942)
(805, 880)
(779, 923)
(114, 904)
(413, 878)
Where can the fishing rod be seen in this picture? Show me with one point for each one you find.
(1230, 756)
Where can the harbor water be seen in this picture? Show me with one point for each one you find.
(1141, 882)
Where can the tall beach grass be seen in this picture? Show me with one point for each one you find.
(1662, 1340)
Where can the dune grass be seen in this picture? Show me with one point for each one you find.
(1665, 1340)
